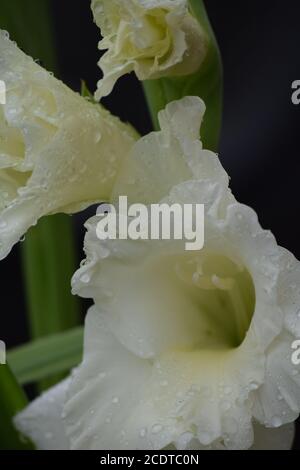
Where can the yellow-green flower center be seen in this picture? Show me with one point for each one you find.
(214, 294)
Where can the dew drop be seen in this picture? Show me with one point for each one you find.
(253, 386)
(276, 421)
(5, 34)
(85, 278)
(204, 438)
(156, 428)
(184, 440)
(98, 137)
(104, 252)
(226, 406)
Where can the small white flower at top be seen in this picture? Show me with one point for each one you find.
(153, 38)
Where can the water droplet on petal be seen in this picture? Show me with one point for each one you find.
(5, 34)
(276, 421)
(85, 278)
(104, 252)
(156, 428)
(204, 438)
(98, 137)
(226, 406)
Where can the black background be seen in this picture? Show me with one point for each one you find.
(260, 47)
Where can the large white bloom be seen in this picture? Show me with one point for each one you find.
(186, 350)
(153, 38)
(58, 152)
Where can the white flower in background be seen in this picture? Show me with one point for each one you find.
(185, 350)
(153, 38)
(58, 152)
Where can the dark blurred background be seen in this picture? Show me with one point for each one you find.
(259, 43)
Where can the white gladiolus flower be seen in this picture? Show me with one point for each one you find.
(58, 152)
(185, 350)
(153, 38)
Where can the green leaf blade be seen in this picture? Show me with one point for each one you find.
(46, 357)
(12, 400)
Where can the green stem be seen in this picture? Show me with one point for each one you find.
(205, 83)
(12, 400)
(49, 262)
(29, 24)
(46, 357)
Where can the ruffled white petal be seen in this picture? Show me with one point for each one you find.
(212, 329)
(118, 400)
(175, 154)
(111, 422)
(153, 38)
(42, 420)
(58, 152)
(187, 351)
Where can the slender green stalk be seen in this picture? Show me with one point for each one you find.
(12, 400)
(29, 24)
(205, 83)
(48, 256)
(48, 356)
